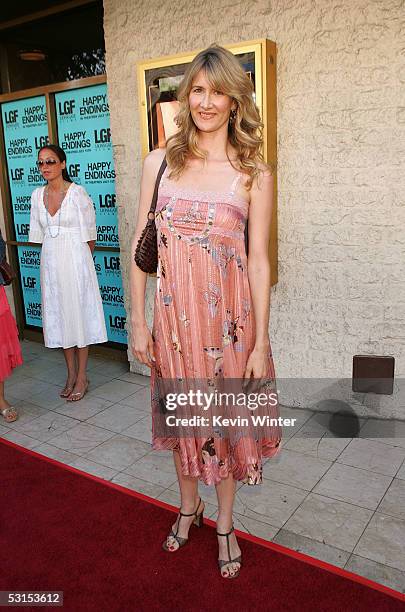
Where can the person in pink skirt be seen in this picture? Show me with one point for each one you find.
(211, 309)
(10, 351)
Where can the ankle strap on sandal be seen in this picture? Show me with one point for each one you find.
(192, 513)
(227, 541)
(226, 534)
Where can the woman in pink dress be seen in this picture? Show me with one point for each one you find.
(211, 311)
(10, 351)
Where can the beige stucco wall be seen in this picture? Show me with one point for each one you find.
(341, 288)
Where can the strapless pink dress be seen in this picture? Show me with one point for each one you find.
(204, 325)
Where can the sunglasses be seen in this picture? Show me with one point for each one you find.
(48, 162)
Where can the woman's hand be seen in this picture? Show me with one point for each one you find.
(142, 344)
(257, 367)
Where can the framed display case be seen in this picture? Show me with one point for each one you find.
(158, 80)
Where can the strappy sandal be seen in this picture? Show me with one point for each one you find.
(75, 397)
(9, 414)
(198, 521)
(222, 562)
(66, 391)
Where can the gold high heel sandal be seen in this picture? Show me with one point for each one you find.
(9, 414)
(198, 522)
(76, 397)
(66, 391)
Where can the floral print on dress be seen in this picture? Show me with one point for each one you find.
(217, 354)
(184, 320)
(232, 329)
(222, 256)
(204, 325)
(208, 450)
(213, 297)
(192, 214)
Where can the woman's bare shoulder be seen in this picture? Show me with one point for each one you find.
(153, 160)
(264, 178)
(265, 169)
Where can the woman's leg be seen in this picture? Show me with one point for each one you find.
(226, 496)
(3, 401)
(12, 412)
(189, 501)
(82, 355)
(70, 358)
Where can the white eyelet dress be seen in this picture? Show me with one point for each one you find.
(72, 310)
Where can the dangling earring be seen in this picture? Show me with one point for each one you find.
(232, 116)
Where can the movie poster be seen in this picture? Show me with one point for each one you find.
(84, 134)
(29, 260)
(25, 131)
(107, 265)
(83, 123)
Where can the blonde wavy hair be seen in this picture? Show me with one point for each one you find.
(224, 73)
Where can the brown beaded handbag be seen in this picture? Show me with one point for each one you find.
(146, 252)
(7, 274)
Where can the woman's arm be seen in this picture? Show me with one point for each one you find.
(259, 273)
(142, 343)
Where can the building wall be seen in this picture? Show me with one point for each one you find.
(341, 288)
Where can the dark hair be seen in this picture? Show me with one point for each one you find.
(60, 153)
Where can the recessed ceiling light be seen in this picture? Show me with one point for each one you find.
(34, 55)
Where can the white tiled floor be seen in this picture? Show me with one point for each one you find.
(339, 500)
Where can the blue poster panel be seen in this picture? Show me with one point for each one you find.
(29, 258)
(83, 123)
(25, 131)
(84, 134)
(109, 279)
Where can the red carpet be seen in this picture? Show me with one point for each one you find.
(101, 545)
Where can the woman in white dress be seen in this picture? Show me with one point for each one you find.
(64, 221)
